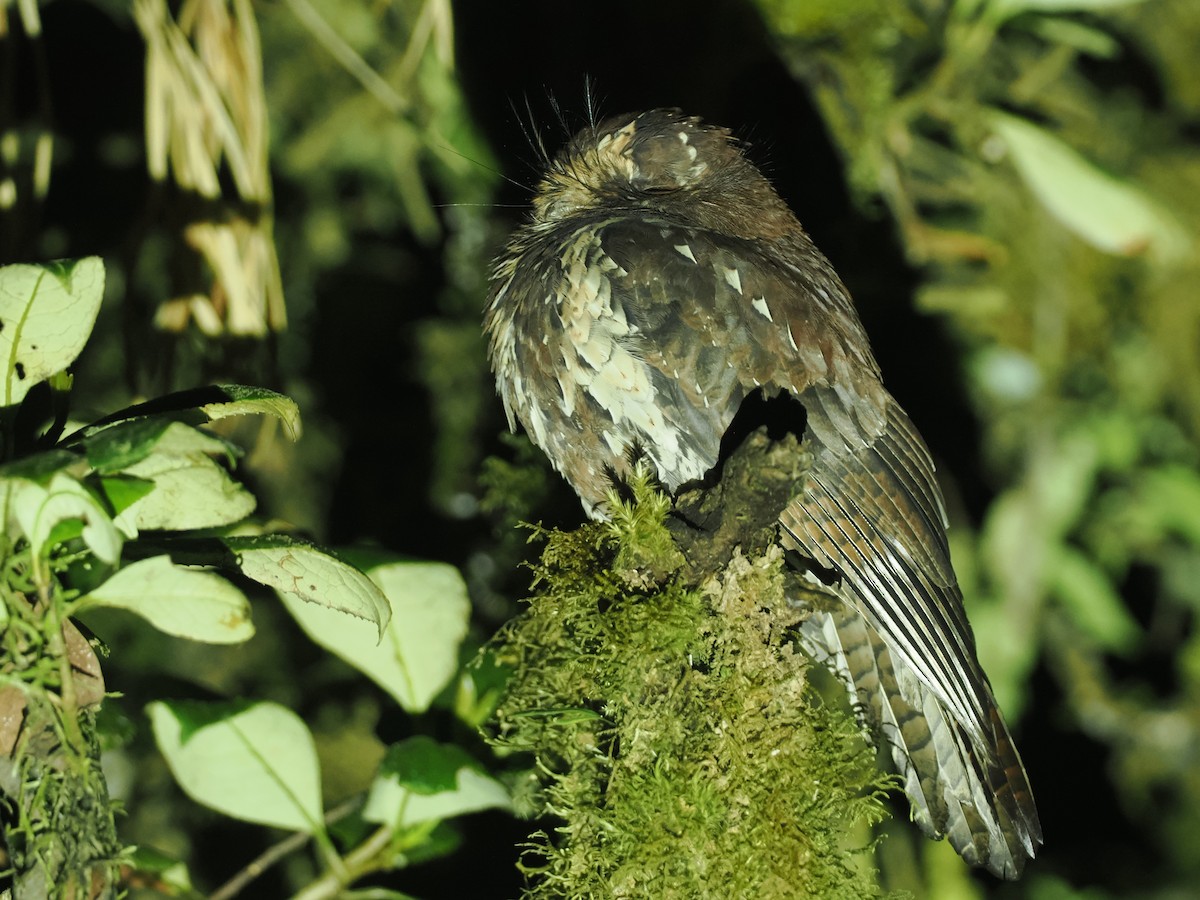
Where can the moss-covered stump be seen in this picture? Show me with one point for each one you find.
(679, 751)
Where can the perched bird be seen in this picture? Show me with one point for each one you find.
(660, 282)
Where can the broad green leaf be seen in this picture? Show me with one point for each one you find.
(255, 762)
(41, 467)
(195, 406)
(1013, 541)
(191, 490)
(40, 510)
(122, 491)
(122, 445)
(422, 781)
(1110, 214)
(418, 654)
(245, 401)
(180, 440)
(424, 766)
(1172, 495)
(426, 843)
(1005, 9)
(1062, 480)
(1088, 596)
(300, 570)
(187, 495)
(186, 603)
(46, 315)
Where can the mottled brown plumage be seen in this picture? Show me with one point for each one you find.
(660, 282)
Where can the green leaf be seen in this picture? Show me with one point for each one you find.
(424, 766)
(244, 401)
(186, 603)
(41, 467)
(1088, 596)
(198, 405)
(254, 762)
(1172, 495)
(40, 510)
(1005, 9)
(300, 570)
(124, 444)
(187, 495)
(442, 839)
(180, 441)
(418, 653)
(1082, 37)
(480, 688)
(122, 491)
(1110, 214)
(1008, 648)
(1011, 525)
(422, 781)
(1062, 480)
(191, 490)
(46, 315)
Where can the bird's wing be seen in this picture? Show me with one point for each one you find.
(873, 513)
(720, 317)
(716, 318)
(696, 292)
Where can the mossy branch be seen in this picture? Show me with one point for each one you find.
(679, 748)
(58, 820)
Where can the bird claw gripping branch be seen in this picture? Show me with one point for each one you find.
(660, 283)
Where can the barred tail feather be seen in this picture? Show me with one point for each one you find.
(977, 798)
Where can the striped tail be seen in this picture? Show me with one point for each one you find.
(977, 796)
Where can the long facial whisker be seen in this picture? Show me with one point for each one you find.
(533, 136)
(486, 168)
(482, 205)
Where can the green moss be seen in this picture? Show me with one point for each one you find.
(680, 750)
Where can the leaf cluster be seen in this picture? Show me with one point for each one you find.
(140, 512)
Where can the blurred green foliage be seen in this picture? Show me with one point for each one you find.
(373, 138)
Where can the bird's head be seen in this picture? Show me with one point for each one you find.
(674, 165)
